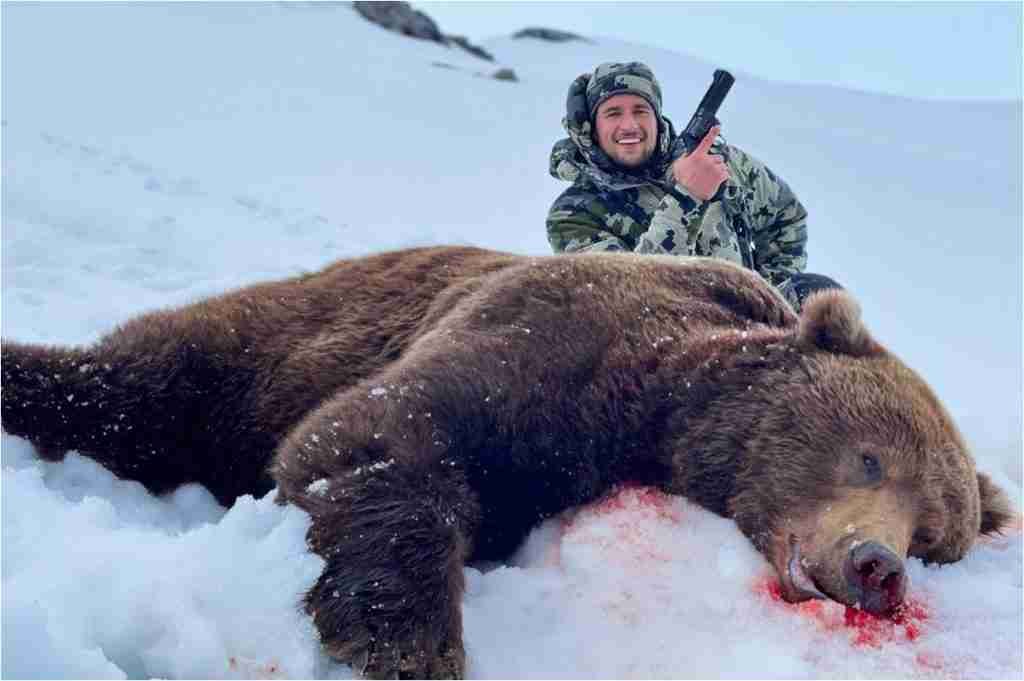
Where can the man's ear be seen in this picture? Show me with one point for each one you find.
(996, 511)
(831, 321)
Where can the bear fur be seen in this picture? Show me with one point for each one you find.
(428, 407)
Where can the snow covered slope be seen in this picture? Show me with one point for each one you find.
(157, 153)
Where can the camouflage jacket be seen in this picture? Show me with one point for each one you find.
(758, 222)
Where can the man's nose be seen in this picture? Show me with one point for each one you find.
(629, 122)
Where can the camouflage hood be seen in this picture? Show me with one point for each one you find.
(579, 155)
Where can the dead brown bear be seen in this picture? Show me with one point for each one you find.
(428, 407)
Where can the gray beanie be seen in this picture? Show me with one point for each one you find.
(612, 78)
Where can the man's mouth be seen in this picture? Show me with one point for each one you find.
(629, 140)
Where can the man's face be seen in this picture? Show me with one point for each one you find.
(627, 129)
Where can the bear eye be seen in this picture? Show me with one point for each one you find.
(872, 467)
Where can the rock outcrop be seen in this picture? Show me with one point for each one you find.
(400, 17)
(549, 34)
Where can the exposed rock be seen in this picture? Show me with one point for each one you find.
(464, 43)
(549, 34)
(505, 74)
(400, 17)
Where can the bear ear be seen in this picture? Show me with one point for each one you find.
(831, 321)
(996, 511)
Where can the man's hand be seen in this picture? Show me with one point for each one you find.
(699, 172)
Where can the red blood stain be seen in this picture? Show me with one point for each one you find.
(637, 498)
(624, 514)
(253, 669)
(904, 624)
(771, 588)
(928, 661)
(873, 630)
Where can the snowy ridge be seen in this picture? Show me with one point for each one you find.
(156, 154)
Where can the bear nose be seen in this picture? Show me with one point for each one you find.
(877, 576)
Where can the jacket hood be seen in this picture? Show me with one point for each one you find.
(578, 154)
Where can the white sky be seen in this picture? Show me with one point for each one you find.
(916, 49)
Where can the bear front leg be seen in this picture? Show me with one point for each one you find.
(393, 527)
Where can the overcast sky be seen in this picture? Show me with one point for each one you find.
(917, 49)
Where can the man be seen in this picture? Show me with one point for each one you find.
(636, 188)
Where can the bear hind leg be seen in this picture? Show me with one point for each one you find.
(141, 408)
(34, 403)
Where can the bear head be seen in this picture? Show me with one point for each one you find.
(853, 465)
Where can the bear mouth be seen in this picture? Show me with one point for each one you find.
(801, 585)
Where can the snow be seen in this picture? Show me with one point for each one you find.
(318, 487)
(154, 154)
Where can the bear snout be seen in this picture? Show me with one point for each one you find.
(875, 577)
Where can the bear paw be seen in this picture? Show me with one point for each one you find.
(379, 649)
(390, 622)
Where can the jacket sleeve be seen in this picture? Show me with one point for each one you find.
(576, 224)
(777, 218)
(675, 224)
